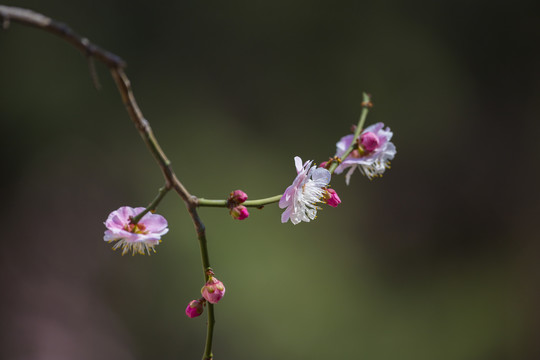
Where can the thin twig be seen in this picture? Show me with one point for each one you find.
(366, 105)
(259, 203)
(31, 18)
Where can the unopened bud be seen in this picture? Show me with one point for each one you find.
(369, 141)
(195, 308)
(237, 197)
(239, 212)
(331, 198)
(213, 290)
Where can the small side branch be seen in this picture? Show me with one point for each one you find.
(366, 105)
(259, 203)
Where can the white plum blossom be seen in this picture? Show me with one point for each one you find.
(373, 155)
(306, 191)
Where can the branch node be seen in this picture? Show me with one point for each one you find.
(145, 125)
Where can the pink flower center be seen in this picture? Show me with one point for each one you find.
(136, 228)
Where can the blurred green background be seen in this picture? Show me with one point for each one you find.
(436, 260)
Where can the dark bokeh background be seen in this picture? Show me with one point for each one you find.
(436, 260)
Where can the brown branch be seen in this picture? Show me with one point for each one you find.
(142, 125)
(31, 18)
(116, 65)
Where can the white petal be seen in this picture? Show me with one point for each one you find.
(298, 164)
(321, 176)
(349, 173)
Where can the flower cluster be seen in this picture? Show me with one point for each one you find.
(309, 188)
(138, 231)
(139, 237)
(212, 292)
(372, 154)
(237, 211)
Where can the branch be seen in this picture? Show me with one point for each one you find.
(116, 65)
(249, 203)
(34, 19)
(366, 105)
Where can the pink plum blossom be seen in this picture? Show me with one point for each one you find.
(137, 238)
(372, 157)
(307, 189)
(195, 308)
(213, 290)
(239, 212)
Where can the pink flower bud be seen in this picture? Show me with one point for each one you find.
(213, 291)
(331, 198)
(195, 308)
(239, 212)
(369, 141)
(323, 164)
(237, 197)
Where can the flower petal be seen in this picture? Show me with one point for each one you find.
(298, 164)
(321, 176)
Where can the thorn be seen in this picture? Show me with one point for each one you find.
(93, 73)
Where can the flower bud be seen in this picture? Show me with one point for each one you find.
(369, 141)
(237, 197)
(213, 291)
(195, 308)
(239, 212)
(331, 198)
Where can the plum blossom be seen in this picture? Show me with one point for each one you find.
(373, 155)
(306, 191)
(137, 238)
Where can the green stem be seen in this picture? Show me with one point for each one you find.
(209, 333)
(152, 206)
(207, 270)
(366, 101)
(249, 203)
